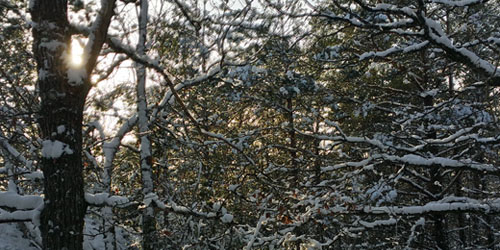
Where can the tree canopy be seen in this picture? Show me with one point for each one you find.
(140, 124)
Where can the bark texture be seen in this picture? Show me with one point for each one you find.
(60, 121)
(148, 215)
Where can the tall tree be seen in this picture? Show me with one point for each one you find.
(63, 89)
(146, 158)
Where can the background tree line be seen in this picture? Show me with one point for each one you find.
(250, 124)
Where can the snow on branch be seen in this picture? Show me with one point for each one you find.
(237, 147)
(13, 152)
(110, 148)
(394, 50)
(362, 23)
(490, 207)
(436, 35)
(256, 232)
(28, 207)
(21, 202)
(417, 160)
(98, 34)
(171, 206)
(352, 139)
(440, 161)
(457, 135)
(378, 223)
(405, 16)
(393, 9)
(363, 163)
(448, 204)
(494, 40)
(116, 45)
(170, 94)
(459, 3)
(420, 222)
(168, 98)
(16, 216)
(103, 199)
(404, 20)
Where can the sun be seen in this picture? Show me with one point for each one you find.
(76, 53)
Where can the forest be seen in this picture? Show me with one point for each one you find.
(249, 124)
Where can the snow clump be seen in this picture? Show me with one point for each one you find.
(54, 149)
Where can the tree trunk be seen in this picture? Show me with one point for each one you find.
(293, 142)
(439, 231)
(148, 215)
(60, 121)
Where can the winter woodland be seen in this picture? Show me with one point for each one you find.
(249, 124)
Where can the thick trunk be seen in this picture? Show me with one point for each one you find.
(60, 121)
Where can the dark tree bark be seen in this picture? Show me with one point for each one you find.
(440, 228)
(293, 141)
(63, 89)
(60, 121)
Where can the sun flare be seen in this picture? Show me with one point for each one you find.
(76, 53)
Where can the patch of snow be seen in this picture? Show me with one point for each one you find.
(36, 175)
(216, 206)
(61, 129)
(42, 74)
(11, 238)
(384, 6)
(432, 93)
(76, 76)
(312, 244)
(391, 196)
(283, 91)
(227, 218)
(233, 187)
(52, 45)
(54, 149)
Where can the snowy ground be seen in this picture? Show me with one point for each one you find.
(11, 238)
